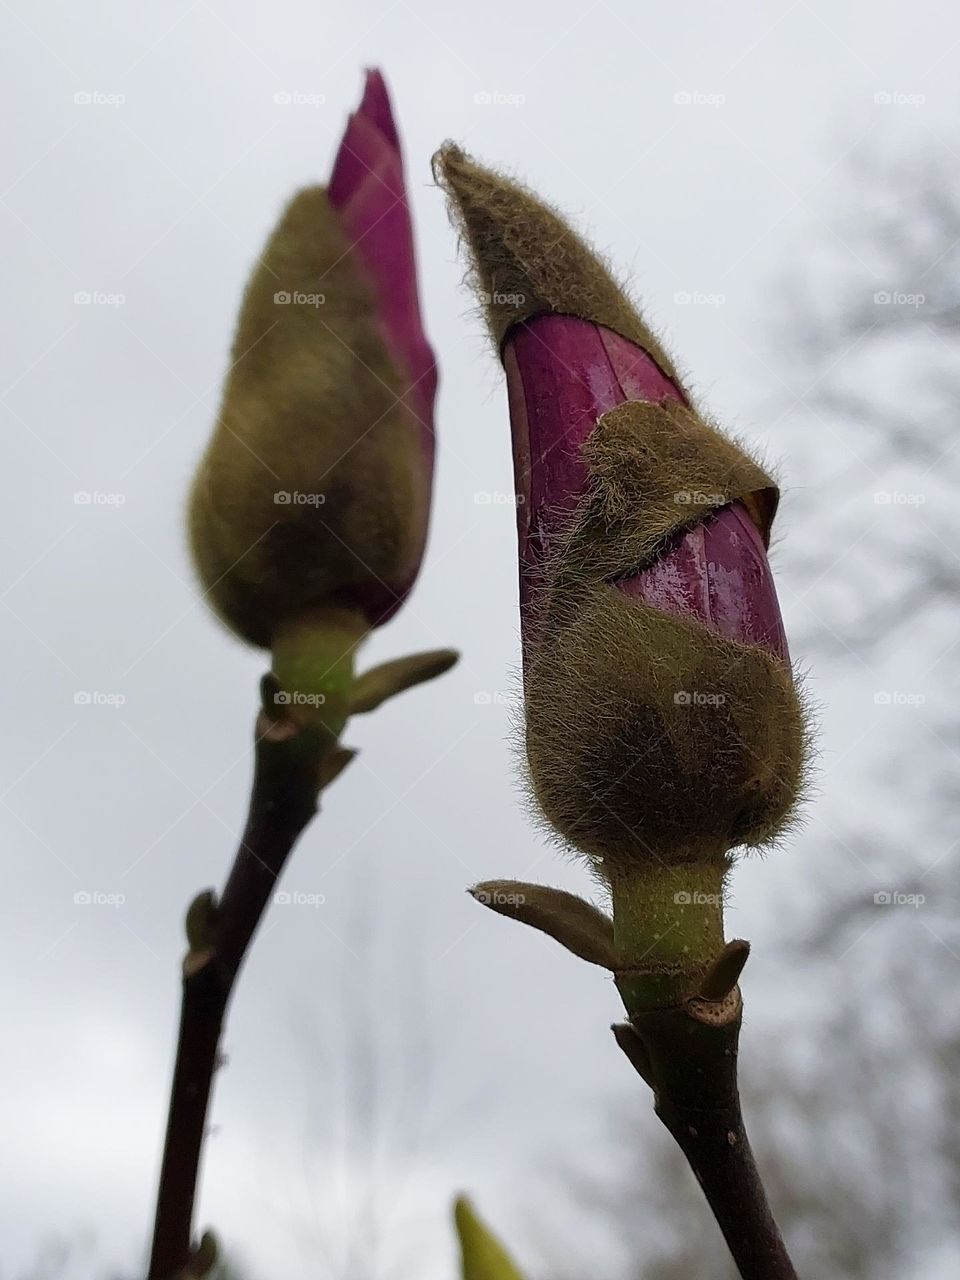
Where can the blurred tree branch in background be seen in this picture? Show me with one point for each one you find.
(371, 1117)
(854, 1119)
(873, 328)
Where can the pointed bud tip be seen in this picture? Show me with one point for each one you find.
(461, 1205)
(576, 924)
(375, 686)
(724, 972)
(204, 1257)
(447, 157)
(333, 764)
(444, 659)
(633, 1049)
(200, 920)
(483, 1255)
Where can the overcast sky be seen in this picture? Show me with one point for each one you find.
(146, 158)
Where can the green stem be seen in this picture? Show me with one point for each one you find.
(313, 661)
(667, 928)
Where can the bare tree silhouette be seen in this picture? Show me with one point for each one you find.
(855, 1122)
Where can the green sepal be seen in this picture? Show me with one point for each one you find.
(390, 678)
(576, 924)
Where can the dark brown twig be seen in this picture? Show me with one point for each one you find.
(688, 1056)
(291, 767)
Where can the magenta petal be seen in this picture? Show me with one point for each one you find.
(375, 105)
(718, 575)
(639, 376)
(367, 189)
(360, 150)
(563, 374)
(376, 226)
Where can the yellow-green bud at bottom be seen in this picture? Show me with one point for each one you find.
(484, 1257)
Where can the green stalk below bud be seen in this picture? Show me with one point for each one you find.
(313, 661)
(667, 929)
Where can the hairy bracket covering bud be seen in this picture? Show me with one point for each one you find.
(312, 500)
(663, 726)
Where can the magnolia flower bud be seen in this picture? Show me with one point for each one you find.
(662, 722)
(662, 719)
(314, 493)
(663, 725)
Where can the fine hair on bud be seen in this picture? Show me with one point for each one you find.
(650, 736)
(657, 469)
(528, 260)
(651, 739)
(303, 497)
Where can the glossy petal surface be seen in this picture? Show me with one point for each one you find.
(718, 575)
(563, 374)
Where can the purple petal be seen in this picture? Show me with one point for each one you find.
(375, 105)
(368, 191)
(563, 374)
(717, 575)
